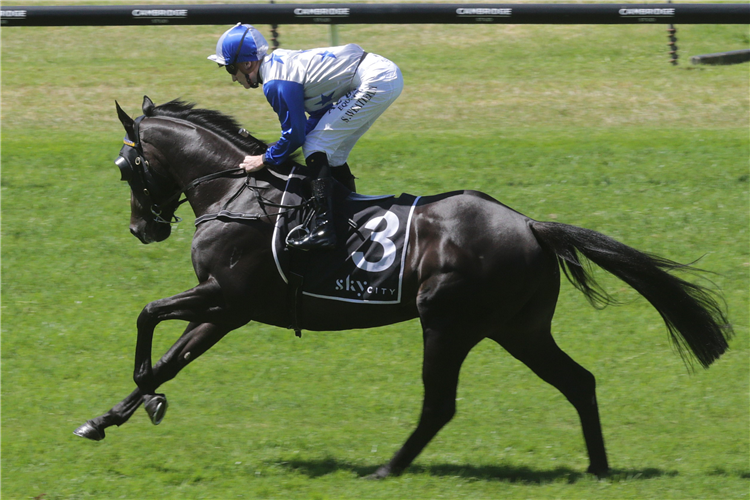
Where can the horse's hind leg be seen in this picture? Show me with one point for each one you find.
(540, 353)
(443, 356)
(197, 339)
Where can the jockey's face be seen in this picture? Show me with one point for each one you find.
(247, 74)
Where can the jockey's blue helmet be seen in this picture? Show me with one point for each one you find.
(240, 43)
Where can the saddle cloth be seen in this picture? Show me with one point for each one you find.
(367, 265)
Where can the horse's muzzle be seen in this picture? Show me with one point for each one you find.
(150, 233)
(138, 235)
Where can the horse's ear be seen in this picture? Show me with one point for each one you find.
(126, 121)
(123, 116)
(148, 106)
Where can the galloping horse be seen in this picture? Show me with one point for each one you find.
(473, 269)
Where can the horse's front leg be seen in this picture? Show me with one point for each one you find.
(197, 339)
(202, 304)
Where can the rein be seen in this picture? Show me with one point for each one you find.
(224, 213)
(135, 169)
(232, 172)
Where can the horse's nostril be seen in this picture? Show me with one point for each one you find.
(141, 236)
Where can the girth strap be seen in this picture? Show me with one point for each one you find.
(298, 262)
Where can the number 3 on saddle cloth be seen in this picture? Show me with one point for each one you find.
(366, 266)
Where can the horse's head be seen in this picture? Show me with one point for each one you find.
(175, 149)
(152, 200)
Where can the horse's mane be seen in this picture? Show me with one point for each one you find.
(215, 121)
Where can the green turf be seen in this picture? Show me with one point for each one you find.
(587, 125)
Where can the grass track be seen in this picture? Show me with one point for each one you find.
(585, 125)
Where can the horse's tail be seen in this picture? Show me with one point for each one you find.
(696, 321)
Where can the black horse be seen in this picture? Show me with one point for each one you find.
(473, 269)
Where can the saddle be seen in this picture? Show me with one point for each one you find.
(366, 267)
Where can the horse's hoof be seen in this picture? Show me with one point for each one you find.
(600, 472)
(382, 473)
(89, 431)
(156, 407)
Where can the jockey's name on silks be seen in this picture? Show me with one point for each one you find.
(299, 81)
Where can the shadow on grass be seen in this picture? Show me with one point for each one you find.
(505, 473)
(720, 471)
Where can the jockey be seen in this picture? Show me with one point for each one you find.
(326, 99)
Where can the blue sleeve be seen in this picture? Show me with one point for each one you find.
(288, 101)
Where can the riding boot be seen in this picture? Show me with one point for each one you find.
(323, 236)
(343, 174)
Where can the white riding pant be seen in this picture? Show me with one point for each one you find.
(377, 83)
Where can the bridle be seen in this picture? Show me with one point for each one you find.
(136, 170)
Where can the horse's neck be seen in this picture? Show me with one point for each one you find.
(200, 153)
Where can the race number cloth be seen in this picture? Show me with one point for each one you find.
(369, 267)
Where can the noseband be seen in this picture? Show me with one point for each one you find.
(136, 170)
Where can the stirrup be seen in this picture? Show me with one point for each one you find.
(323, 236)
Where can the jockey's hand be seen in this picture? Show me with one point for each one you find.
(252, 163)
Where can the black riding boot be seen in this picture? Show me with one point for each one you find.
(323, 236)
